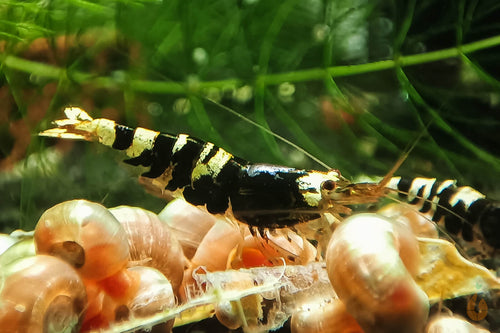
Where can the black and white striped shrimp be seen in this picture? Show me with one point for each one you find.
(271, 196)
(260, 195)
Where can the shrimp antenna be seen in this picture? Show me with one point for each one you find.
(268, 131)
(404, 156)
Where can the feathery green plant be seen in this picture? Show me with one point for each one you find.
(352, 82)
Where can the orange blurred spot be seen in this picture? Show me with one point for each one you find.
(335, 117)
(401, 298)
(122, 285)
(252, 257)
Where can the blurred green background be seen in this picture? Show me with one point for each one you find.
(352, 82)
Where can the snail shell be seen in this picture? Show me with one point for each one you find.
(153, 295)
(151, 242)
(21, 249)
(6, 241)
(331, 317)
(41, 294)
(214, 250)
(420, 224)
(444, 324)
(370, 262)
(84, 234)
(189, 224)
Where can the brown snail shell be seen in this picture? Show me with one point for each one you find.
(84, 234)
(188, 223)
(214, 250)
(41, 294)
(151, 242)
(154, 295)
(420, 224)
(370, 262)
(445, 324)
(331, 317)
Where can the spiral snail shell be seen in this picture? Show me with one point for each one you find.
(331, 317)
(84, 234)
(41, 294)
(370, 263)
(151, 242)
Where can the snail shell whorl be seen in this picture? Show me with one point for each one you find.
(151, 242)
(367, 260)
(41, 294)
(84, 234)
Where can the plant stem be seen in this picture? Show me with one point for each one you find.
(170, 87)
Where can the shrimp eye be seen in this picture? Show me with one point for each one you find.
(328, 185)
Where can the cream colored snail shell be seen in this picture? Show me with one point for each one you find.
(41, 294)
(331, 317)
(446, 324)
(189, 224)
(151, 242)
(22, 249)
(155, 293)
(370, 261)
(84, 234)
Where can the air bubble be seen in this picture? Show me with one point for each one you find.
(154, 109)
(243, 94)
(182, 106)
(320, 32)
(200, 56)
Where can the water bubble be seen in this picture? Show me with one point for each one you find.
(200, 56)
(213, 94)
(320, 32)
(182, 106)
(154, 109)
(286, 91)
(382, 26)
(243, 94)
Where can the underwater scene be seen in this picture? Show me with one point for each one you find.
(249, 166)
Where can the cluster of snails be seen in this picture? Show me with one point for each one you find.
(89, 268)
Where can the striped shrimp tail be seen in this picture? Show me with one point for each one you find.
(462, 210)
(80, 126)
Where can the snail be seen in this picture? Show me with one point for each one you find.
(455, 324)
(21, 249)
(6, 241)
(153, 294)
(330, 317)
(84, 234)
(421, 225)
(371, 262)
(188, 223)
(41, 294)
(151, 242)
